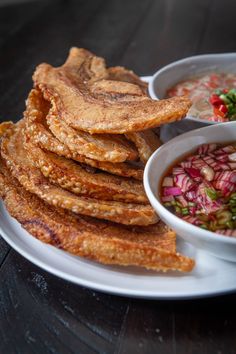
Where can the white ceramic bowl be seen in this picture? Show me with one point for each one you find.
(179, 70)
(189, 67)
(218, 245)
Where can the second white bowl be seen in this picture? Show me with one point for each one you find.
(218, 245)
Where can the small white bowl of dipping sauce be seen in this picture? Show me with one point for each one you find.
(208, 68)
(158, 166)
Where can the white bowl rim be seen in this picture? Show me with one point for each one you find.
(181, 61)
(175, 219)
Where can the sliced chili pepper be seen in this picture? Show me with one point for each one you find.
(219, 113)
(223, 108)
(216, 100)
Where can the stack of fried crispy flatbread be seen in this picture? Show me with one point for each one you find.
(71, 170)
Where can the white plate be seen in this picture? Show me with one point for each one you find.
(211, 276)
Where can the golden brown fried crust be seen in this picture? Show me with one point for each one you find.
(6, 126)
(146, 142)
(16, 157)
(87, 102)
(101, 147)
(152, 247)
(75, 178)
(37, 131)
(119, 73)
(33, 162)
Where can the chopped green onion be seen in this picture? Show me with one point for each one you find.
(230, 224)
(185, 211)
(177, 210)
(213, 226)
(223, 217)
(224, 98)
(220, 227)
(232, 202)
(212, 193)
(232, 95)
(203, 217)
(204, 226)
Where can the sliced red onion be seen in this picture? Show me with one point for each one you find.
(193, 172)
(232, 165)
(227, 176)
(191, 196)
(186, 164)
(190, 219)
(171, 191)
(217, 174)
(198, 163)
(206, 148)
(192, 210)
(183, 182)
(225, 187)
(177, 170)
(167, 198)
(193, 158)
(232, 157)
(182, 200)
(204, 201)
(224, 166)
(222, 158)
(211, 154)
(227, 149)
(211, 162)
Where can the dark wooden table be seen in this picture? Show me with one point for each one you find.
(40, 313)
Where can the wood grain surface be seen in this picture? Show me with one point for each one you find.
(40, 313)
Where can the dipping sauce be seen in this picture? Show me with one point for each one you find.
(213, 96)
(201, 188)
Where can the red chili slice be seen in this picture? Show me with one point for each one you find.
(217, 112)
(223, 108)
(216, 100)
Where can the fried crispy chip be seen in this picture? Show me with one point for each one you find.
(5, 126)
(152, 247)
(119, 73)
(37, 130)
(146, 142)
(101, 147)
(31, 178)
(87, 102)
(75, 178)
